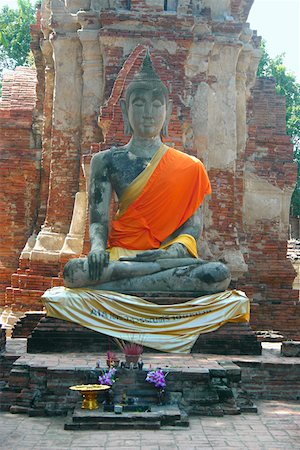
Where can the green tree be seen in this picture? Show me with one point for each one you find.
(15, 34)
(286, 85)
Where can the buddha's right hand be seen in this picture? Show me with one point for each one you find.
(97, 260)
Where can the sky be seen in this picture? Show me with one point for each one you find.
(277, 21)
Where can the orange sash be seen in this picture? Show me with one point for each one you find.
(172, 194)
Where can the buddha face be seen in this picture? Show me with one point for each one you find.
(146, 110)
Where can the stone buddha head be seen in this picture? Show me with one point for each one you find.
(146, 108)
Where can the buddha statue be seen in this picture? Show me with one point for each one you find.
(150, 245)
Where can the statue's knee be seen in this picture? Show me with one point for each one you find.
(214, 272)
(222, 271)
(68, 272)
(75, 273)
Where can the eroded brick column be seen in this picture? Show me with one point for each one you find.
(222, 152)
(65, 146)
(92, 98)
(46, 152)
(92, 79)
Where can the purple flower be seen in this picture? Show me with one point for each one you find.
(157, 378)
(108, 377)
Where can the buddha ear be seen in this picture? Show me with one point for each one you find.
(127, 127)
(168, 117)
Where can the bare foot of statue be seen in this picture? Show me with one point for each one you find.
(151, 243)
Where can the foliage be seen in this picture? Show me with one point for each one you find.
(286, 85)
(15, 35)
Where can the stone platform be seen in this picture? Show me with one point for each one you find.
(37, 384)
(47, 335)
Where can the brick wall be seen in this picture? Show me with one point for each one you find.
(20, 169)
(269, 156)
(271, 380)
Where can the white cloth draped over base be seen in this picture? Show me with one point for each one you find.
(168, 328)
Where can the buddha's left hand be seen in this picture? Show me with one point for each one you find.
(174, 251)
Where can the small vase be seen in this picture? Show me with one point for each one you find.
(109, 397)
(161, 397)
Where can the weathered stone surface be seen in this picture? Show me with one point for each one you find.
(199, 395)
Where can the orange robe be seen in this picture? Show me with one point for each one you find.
(172, 194)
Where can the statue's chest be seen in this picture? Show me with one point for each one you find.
(124, 169)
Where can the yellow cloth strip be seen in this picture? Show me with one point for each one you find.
(133, 191)
(169, 328)
(185, 239)
(115, 253)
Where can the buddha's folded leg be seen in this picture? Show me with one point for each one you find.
(207, 278)
(76, 271)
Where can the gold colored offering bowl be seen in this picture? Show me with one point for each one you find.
(89, 393)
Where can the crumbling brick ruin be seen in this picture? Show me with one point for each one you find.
(86, 52)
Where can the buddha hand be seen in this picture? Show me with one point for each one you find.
(97, 260)
(174, 251)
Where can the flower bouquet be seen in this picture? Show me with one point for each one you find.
(158, 378)
(108, 377)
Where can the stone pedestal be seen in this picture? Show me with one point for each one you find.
(55, 335)
(39, 386)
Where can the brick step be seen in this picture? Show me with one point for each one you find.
(128, 408)
(98, 416)
(100, 419)
(138, 425)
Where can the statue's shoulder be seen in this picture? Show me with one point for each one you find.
(104, 157)
(179, 154)
(111, 159)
